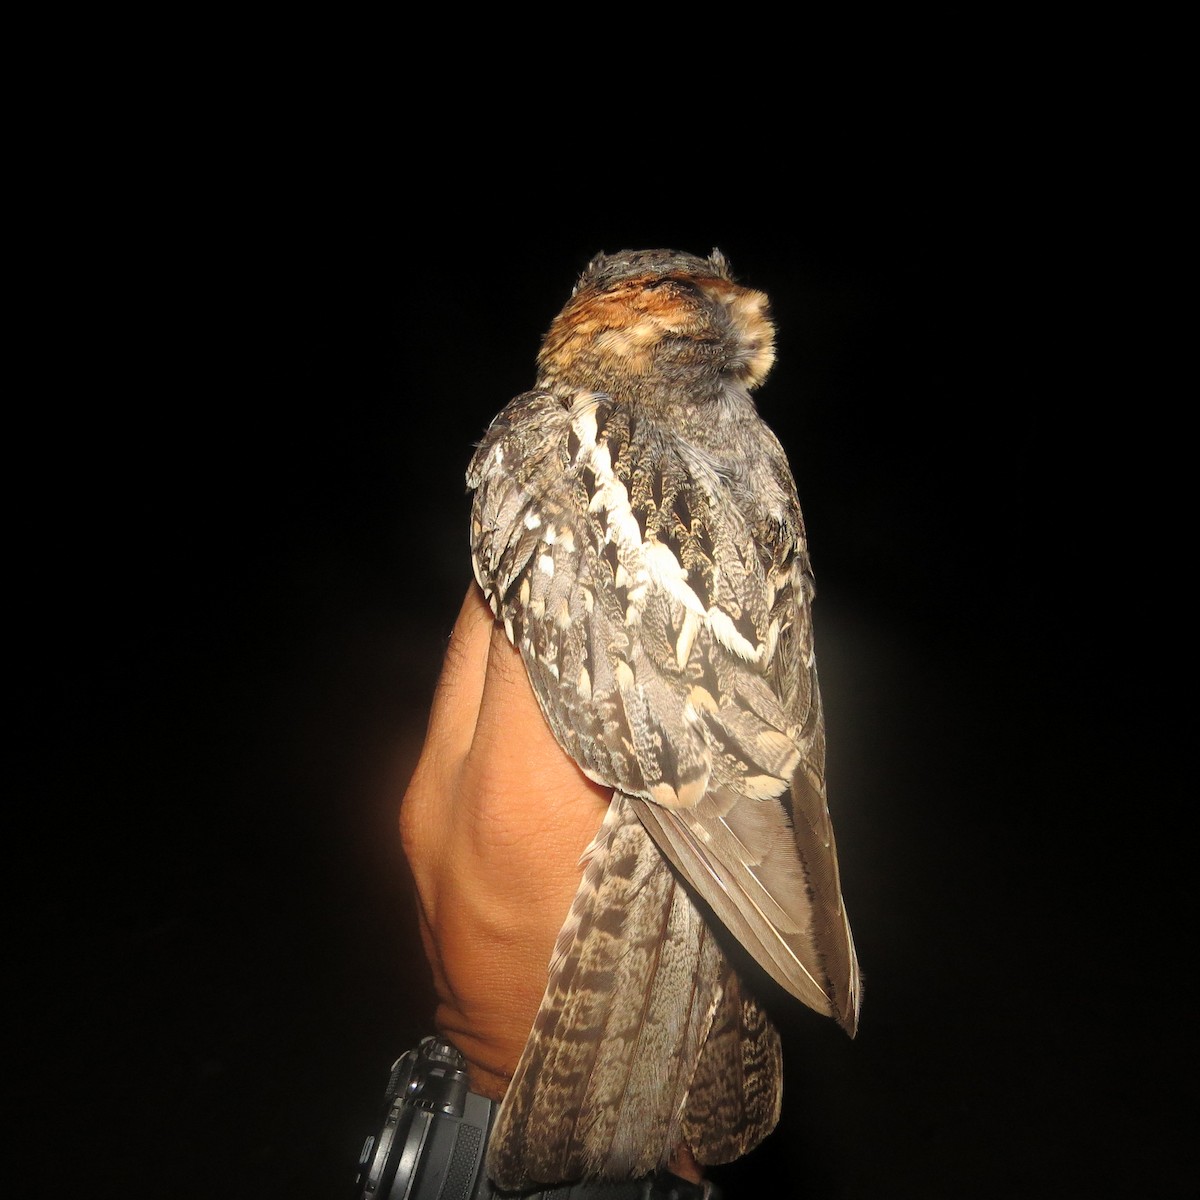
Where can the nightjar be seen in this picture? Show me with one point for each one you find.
(635, 526)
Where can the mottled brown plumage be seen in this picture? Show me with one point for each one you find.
(636, 527)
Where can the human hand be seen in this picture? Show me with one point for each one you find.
(494, 824)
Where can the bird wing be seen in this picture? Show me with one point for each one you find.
(710, 717)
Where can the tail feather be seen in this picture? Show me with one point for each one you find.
(737, 1092)
(605, 1086)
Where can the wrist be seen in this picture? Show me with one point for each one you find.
(488, 1072)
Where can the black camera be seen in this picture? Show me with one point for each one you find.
(434, 1132)
(434, 1139)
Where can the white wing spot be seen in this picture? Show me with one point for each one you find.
(665, 569)
(663, 793)
(610, 494)
(584, 422)
(726, 633)
(687, 636)
(761, 787)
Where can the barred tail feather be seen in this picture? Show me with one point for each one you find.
(737, 1091)
(602, 1088)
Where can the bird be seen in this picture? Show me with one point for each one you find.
(636, 528)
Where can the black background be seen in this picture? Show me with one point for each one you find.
(243, 542)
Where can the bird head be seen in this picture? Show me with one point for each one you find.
(639, 321)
